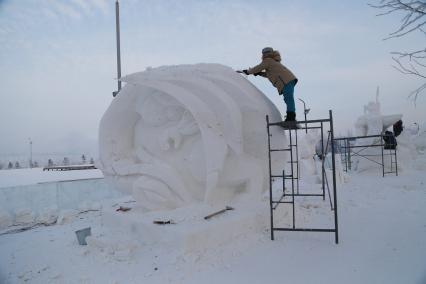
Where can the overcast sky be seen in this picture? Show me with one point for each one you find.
(57, 58)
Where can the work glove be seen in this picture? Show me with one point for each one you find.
(245, 71)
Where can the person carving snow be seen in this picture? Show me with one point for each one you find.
(279, 75)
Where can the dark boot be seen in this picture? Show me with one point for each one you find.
(291, 116)
(290, 121)
(287, 117)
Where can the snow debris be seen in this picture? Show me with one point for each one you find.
(66, 216)
(24, 216)
(48, 216)
(6, 219)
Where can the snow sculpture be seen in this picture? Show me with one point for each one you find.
(191, 133)
(373, 122)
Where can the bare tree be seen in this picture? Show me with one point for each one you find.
(413, 20)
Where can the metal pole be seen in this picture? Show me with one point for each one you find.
(292, 200)
(383, 157)
(297, 164)
(291, 158)
(306, 124)
(270, 179)
(292, 174)
(31, 153)
(346, 154)
(349, 156)
(396, 162)
(322, 161)
(283, 184)
(334, 178)
(326, 179)
(117, 29)
(305, 112)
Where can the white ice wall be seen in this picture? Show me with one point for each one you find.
(37, 198)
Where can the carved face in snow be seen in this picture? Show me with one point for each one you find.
(168, 131)
(185, 134)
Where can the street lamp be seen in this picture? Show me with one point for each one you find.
(31, 152)
(305, 111)
(117, 33)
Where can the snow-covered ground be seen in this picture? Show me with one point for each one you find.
(382, 224)
(151, 146)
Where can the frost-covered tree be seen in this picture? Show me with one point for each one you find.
(1, 166)
(66, 161)
(412, 62)
(35, 164)
(92, 161)
(17, 165)
(50, 163)
(10, 165)
(83, 159)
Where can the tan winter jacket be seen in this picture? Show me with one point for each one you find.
(277, 73)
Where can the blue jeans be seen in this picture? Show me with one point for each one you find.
(288, 93)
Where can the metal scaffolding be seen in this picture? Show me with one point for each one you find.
(294, 174)
(349, 151)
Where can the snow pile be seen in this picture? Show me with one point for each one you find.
(179, 135)
(306, 146)
(127, 233)
(420, 139)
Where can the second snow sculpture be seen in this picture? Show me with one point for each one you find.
(373, 122)
(183, 134)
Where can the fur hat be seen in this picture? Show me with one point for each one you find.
(267, 50)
